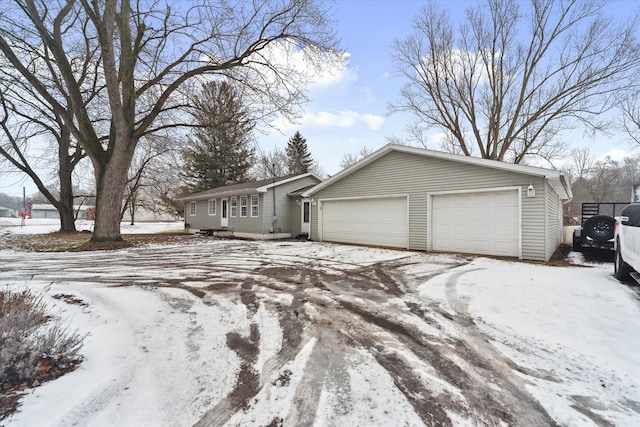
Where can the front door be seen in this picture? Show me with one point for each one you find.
(224, 219)
(306, 215)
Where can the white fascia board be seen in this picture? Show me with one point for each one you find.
(264, 188)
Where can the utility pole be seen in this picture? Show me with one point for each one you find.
(24, 206)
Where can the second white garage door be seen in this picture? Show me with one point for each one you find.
(380, 221)
(479, 223)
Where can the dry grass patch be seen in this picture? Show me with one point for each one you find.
(81, 241)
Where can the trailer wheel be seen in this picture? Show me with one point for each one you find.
(599, 228)
(577, 241)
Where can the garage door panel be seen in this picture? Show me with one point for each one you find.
(375, 221)
(482, 223)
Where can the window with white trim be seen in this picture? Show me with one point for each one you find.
(243, 206)
(255, 205)
(192, 208)
(234, 207)
(212, 207)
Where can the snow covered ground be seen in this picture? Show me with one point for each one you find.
(42, 225)
(227, 332)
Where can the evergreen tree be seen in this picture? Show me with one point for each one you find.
(298, 155)
(219, 152)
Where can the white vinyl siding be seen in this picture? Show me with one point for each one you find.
(255, 206)
(212, 207)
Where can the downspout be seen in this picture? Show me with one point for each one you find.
(310, 219)
(275, 218)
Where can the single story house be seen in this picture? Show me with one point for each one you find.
(407, 197)
(45, 210)
(6, 212)
(269, 209)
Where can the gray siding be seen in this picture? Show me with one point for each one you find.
(246, 224)
(405, 173)
(554, 220)
(202, 219)
(255, 225)
(296, 215)
(283, 204)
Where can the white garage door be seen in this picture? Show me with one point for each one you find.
(370, 221)
(480, 223)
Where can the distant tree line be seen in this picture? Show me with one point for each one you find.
(605, 180)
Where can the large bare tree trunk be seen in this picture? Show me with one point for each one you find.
(66, 164)
(111, 182)
(67, 214)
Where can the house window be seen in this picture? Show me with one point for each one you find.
(192, 209)
(212, 207)
(243, 206)
(234, 207)
(255, 205)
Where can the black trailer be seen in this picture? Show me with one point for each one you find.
(597, 225)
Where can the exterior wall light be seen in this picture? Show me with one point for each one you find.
(531, 192)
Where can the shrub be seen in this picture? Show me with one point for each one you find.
(29, 338)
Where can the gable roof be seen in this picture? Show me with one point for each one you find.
(556, 178)
(251, 187)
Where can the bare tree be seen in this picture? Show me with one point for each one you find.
(138, 57)
(270, 165)
(143, 173)
(629, 105)
(23, 120)
(351, 158)
(513, 77)
(579, 164)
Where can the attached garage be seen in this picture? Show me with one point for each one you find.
(407, 197)
(479, 222)
(380, 221)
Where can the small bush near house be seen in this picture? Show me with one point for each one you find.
(34, 347)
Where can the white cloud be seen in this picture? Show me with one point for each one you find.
(373, 121)
(325, 119)
(367, 95)
(343, 119)
(319, 70)
(615, 154)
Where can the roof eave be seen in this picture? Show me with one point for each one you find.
(560, 185)
(264, 188)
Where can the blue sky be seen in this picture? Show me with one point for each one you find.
(348, 110)
(368, 29)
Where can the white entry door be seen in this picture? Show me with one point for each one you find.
(224, 218)
(306, 216)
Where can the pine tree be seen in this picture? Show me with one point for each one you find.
(219, 151)
(298, 155)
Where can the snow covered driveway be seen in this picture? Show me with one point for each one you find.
(217, 332)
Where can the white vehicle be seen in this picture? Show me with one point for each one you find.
(627, 244)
